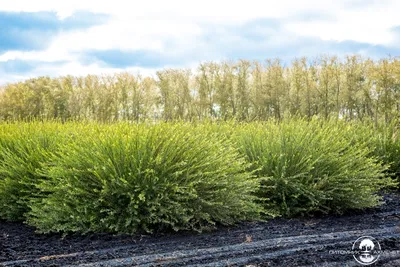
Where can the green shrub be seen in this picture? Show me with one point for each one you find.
(387, 147)
(132, 177)
(24, 148)
(312, 166)
(125, 178)
(382, 139)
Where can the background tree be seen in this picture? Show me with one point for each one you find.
(353, 87)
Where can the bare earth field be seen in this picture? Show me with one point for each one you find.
(278, 242)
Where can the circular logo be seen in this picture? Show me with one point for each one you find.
(366, 250)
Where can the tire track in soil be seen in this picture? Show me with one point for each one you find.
(278, 242)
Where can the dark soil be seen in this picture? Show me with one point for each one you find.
(278, 242)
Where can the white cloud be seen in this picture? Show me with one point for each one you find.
(370, 24)
(52, 54)
(178, 27)
(209, 10)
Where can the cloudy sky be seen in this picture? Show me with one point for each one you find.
(93, 37)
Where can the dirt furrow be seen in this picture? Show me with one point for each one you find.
(278, 242)
(248, 252)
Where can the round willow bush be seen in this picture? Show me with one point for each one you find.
(311, 167)
(387, 147)
(126, 178)
(24, 147)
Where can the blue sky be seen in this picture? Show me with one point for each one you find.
(44, 37)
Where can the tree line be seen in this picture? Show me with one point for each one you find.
(352, 87)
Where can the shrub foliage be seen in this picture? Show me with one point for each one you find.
(127, 178)
(312, 166)
(23, 150)
(124, 178)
